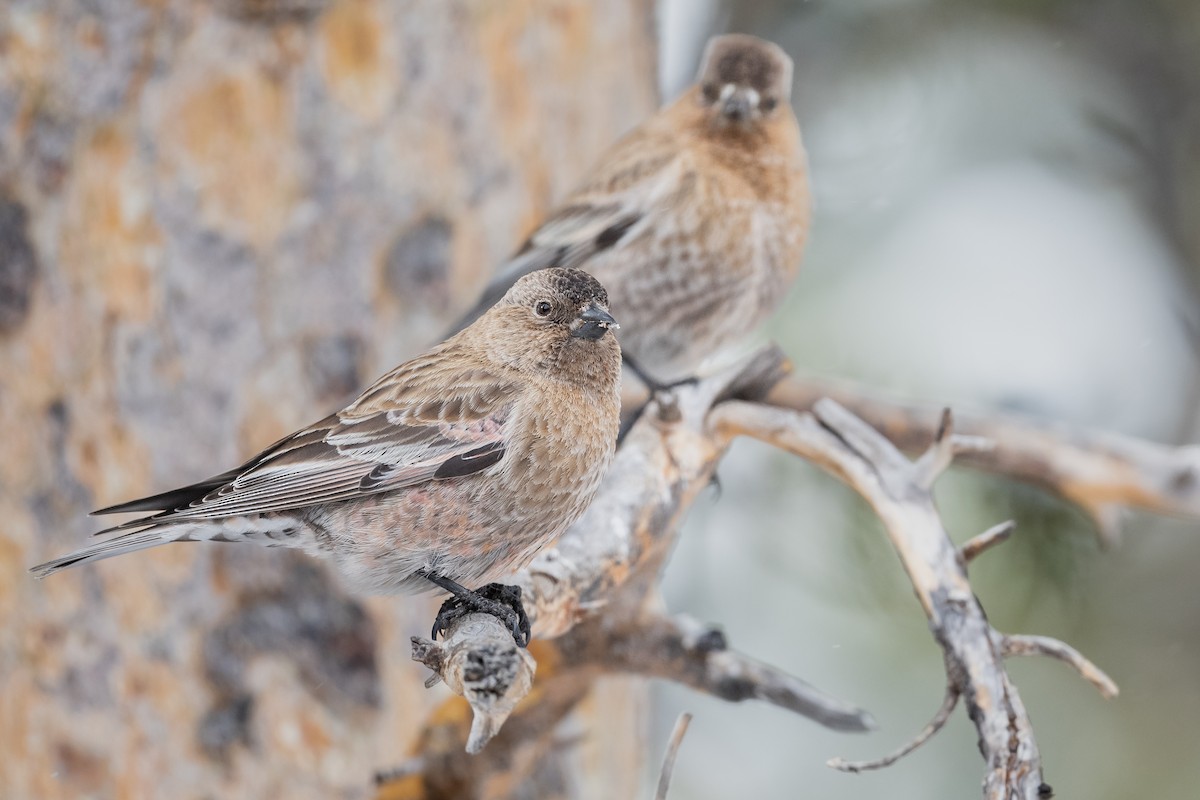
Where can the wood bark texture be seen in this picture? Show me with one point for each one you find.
(218, 220)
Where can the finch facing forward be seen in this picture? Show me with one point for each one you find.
(456, 467)
(696, 221)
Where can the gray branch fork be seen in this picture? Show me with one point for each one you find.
(591, 595)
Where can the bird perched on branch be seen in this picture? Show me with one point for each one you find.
(454, 468)
(696, 221)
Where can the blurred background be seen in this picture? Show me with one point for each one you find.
(1007, 217)
(219, 219)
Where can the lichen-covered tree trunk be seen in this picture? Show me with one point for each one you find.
(217, 220)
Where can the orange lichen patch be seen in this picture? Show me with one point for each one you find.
(572, 44)
(499, 34)
(509, 90)
(109, 237)
(12, 573)
(360, 63)
(313, 734)
(21, 699)
(232, 138)
(1121, 486)
(546, 37)
(410, 787)
(455, 713)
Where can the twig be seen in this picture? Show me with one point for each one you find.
(668, 766)
(937, 458)
(935, 725)
(1024, 645)
(993, 536)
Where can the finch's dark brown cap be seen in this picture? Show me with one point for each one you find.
(746, 60)
(576, 287)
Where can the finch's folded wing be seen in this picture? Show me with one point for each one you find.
(394, 436)
(618, 201)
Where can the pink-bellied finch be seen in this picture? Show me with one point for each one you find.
(454, 468)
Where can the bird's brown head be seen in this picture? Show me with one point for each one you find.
(743, 80)
(556, 322)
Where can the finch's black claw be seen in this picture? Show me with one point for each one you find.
(656, 390)
(652, 384)
(657, 387)
(450, 611)
(507, 607)
(501, 601)
(690, 380)
(628, 421)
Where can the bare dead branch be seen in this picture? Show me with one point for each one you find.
(1098, 471)
(934, 461)
(1024, 645)
(591, 589)
(479, 660)
(997, 534)
(670, 648)
(926, 733)
(668, 767)
(837, 441)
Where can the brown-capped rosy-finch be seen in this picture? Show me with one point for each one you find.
(454, 468)
(696, 221)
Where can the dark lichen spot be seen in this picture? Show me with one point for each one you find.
(417, 264)
(490, 669)
(18, 265)
(733, 688)
(333, 365)
(273, 12)
(712, 641)
(1184, 479)
(227, 723)
(309, 621)
(57, 508)
(85, 683)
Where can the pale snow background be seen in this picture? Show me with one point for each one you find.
(987, 237)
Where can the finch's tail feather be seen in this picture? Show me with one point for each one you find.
(127, 543)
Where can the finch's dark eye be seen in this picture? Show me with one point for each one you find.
(542, 309)
(769, 104)
(710, 92)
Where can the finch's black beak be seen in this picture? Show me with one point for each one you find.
(738, 104)
(594, 321)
